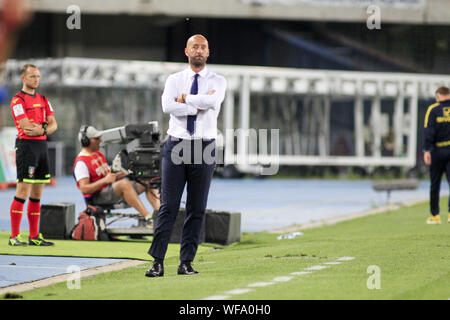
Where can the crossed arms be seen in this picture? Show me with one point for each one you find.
(188, 105)
(32, 129)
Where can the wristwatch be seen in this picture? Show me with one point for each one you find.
(44, 125)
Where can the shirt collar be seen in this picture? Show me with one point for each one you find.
(202, 73)
(31, 95)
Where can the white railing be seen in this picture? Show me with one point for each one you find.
(318, 87)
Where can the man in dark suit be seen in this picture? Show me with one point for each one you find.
(193, 98)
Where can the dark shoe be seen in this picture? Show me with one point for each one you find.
(39, 241)
(186, 268)
(157, 270)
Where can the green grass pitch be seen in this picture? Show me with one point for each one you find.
(412, 259)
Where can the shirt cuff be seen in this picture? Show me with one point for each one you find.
(188, 99)
(191, 111)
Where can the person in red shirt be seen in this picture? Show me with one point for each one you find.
(99, 185)
(34, 119)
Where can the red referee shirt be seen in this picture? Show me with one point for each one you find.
(34, 107)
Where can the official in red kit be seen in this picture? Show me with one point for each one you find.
(34, 119)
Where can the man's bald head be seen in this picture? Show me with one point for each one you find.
(197, 51)
(195, 38)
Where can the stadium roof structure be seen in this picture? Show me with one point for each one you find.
(391, 11)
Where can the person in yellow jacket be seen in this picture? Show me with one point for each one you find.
(437, 148)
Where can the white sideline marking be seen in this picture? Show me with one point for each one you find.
(316, 268)
(238, 291)
(281, 279)
(218, 297)
(260, 284)
(299, 273)
(346, 258)
(276, 279)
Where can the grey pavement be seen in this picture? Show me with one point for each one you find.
(18, 269)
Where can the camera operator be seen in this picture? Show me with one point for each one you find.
(99, 185)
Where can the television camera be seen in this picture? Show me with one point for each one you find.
(140, 156)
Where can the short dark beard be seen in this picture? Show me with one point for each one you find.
(197, 63)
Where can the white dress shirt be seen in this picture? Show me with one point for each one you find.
(208, 105)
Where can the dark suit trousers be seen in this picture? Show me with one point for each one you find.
(180, 169)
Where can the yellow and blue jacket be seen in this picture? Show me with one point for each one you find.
(437, 126)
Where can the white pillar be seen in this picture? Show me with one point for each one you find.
(228, 126)
(375, 124)
(244, 118)
(412, 138)
(398, 124)
(359, 126)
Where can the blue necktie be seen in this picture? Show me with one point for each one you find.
(191, 119)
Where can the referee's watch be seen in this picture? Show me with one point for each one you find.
(44, 125)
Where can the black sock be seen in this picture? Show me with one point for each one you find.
(20, 200)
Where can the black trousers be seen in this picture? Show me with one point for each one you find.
(440, 163)
(184, 163)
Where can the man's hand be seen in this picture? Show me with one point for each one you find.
(120, 175)
(34, 130)
(181, 98)
(110, 178)
(427, 157)
(204, 110)
(87, 187)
